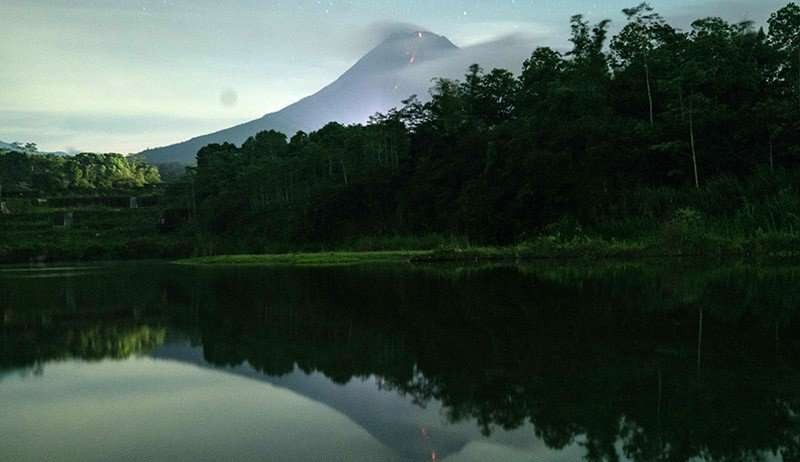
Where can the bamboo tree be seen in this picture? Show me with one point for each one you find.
(344, 172)
(649, 93)
(699, 338)
(771, 154)
(692, 144)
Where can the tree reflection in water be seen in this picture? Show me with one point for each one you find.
(665, 361)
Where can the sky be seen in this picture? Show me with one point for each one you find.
(124, 75)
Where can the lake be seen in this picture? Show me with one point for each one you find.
(615, 361)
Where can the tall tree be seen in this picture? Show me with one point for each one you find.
(635, 43)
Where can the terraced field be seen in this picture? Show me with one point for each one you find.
(96, 233)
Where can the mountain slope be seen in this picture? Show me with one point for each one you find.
(9, 147)
(373, 84)
(390, 418)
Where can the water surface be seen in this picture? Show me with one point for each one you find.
(605, 362)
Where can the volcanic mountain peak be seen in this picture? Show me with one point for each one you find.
(409, 47)
(373, 84)
(418, 39)
(397, 52)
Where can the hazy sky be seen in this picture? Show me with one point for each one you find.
(123, 75)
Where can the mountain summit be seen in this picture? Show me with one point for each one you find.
(373, 84)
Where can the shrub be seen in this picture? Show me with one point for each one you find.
(683, 232)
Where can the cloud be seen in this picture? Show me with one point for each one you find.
(360, 40)
(731, 10)
(476, 33)
(383, 29)
(504, 52)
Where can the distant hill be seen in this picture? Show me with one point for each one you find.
(9, 147)
(14, 148)
(376, 83)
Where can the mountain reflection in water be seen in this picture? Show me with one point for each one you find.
(648, 361)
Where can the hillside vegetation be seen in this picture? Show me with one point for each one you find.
(81, 173)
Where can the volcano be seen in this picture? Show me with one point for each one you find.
(376, 83)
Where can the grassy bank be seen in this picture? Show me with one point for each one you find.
(131, 234)
(776, 245)
(103, 233)
(310, 259)
(671, 244)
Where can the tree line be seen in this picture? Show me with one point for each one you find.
(81, 173)
(584, 134)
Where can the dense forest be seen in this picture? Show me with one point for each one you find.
(81, 173)
(615, 136)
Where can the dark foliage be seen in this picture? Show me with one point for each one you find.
(498, 157)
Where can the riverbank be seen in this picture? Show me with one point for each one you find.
(85, 245)
(311, 258)
(106, 233)
(549, 247)
(699, 245)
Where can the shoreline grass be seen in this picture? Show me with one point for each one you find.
(543, 248)
(307, 259)
(109, 234)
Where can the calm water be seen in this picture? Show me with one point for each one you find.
(614, 362)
